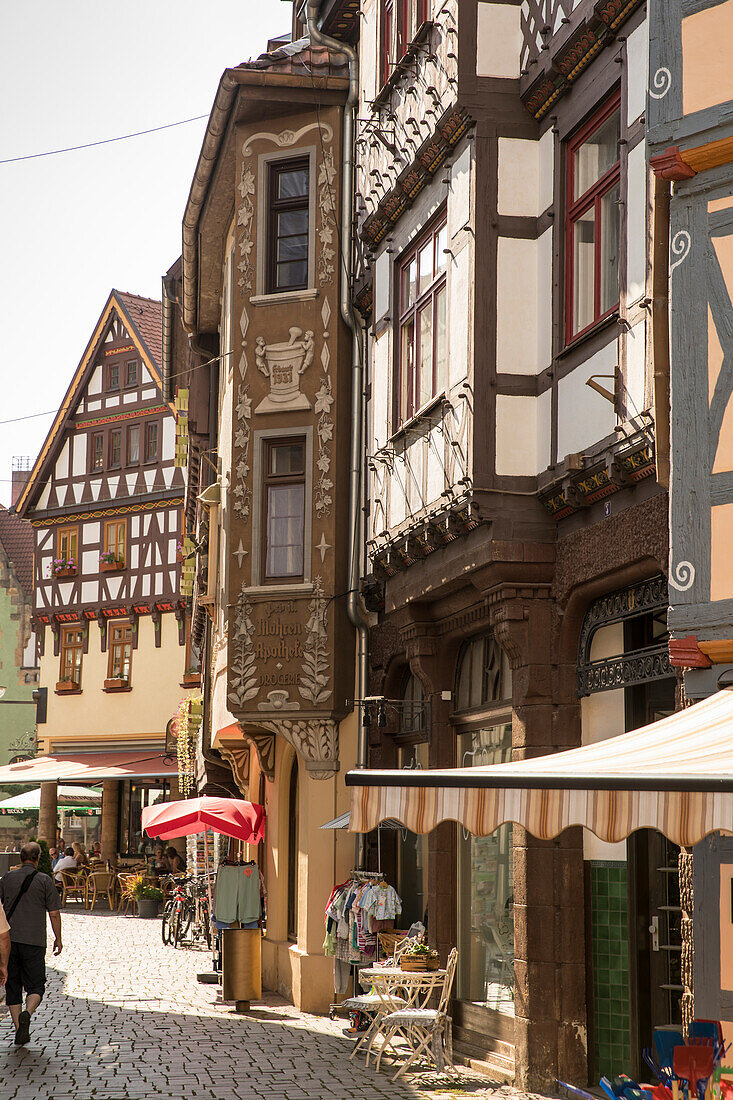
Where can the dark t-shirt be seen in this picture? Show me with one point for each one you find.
(28, 922)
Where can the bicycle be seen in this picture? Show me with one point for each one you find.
(186, 911)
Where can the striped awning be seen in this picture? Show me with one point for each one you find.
(675, 775)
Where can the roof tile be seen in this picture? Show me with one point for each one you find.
(146, 314)
(16, 536)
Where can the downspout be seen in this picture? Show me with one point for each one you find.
(660, 326)
(169, 300)
(354, 606)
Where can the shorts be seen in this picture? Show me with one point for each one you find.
(26, 971)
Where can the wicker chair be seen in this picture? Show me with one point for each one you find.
(72, 886)
(98, 884)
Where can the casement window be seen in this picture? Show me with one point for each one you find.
(120, 651)
(115, 537)
(113, 376)
(67, 544)
(72, 647)
(400, 22)
(133, 445)
(423, 349)
(287, 229)
(593, 220)
(97, 451)
(151, 441)
(131, 373)
(115, 448)
(387, 50)
(283, 508)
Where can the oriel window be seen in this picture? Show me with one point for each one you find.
(593, 226)
(151, 441)
(115, 448)
(287, 253)
(423, 346)
(115, 536)
(120, 651)
(72, 648)
(284, 509)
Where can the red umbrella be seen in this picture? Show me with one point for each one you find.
(231, 816)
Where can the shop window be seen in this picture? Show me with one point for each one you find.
(485, 973)
(131, 373)
(72, 648)
(288, 216)
(113, 377)
(412, 852)
(119, 645)
(97, 451)
(115, 538)
(293, 846)
(484, 674)
(133, 798)
(151, 441)
(593, 220)
(283, 509)
(422, 348)
(133, 445)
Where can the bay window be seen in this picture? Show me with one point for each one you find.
(593, 220)
(284, 509)
(423, 349)
(287, 246)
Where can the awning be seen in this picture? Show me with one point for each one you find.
(87, 767)
(83, 799)
(675, 775)
(342, 822)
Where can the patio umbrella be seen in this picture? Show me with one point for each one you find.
(229, 816)
(82, 799)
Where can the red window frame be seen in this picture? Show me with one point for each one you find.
(407, 394)
(575, 208)
(401, 20)
(385, 53)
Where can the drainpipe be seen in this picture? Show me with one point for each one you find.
(354, 606)
(169, 300)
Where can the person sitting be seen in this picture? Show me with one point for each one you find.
(174, 861)
(54, 854)
(80, 854)
(96, 850)
(66, 863)
(160, 866)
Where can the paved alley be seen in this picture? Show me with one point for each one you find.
(125, 1017)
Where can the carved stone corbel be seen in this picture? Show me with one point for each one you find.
(156, 615)
(102, 631)
(316, 741)
(237, 756)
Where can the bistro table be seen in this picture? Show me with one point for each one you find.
(415, 987)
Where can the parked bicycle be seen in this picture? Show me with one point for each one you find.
(186, 912)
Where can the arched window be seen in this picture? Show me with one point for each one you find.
(484, 675)
(293, 845)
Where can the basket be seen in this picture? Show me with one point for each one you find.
(388, 941)
(416, 964)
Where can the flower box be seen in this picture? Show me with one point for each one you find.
(60, 574)
(416, 964)
(66, 685)
(111, 566)
(116, 683)
(191, 679)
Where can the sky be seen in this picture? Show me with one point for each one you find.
(75, 225)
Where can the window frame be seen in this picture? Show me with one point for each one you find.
(117, 524)
(269, 443)
(111, 465)
(404, 403)
(146, 460)
(399, 23)
(575, 208)
(129, 363)
(94, 436)
(115, 644)
(132, 461)
(109, 367)
(276, 206)
(69, 530)
(76, 647)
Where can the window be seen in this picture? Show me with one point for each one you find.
(113, 376)
(97, 451)
(593, 220)
(120, 651)
(387, 57)
(67, 544)
(284, 509)
(72, 645)
(130, 373)
(484, 674)
(151, 441)
(398, 34)
(287, 260)
(115, 533)
(293, 850)
(115, 448)
(133, 445)
(413, 709)
(422, 306)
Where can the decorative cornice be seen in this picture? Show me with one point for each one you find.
(113, 418)
(426, 536)
(622, 464)
(98, 513)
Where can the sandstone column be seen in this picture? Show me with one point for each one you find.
(110, 799)
(48, 812)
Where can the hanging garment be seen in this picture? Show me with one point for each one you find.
(238, 894)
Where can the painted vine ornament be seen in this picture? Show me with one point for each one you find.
(243, 678)
(314, 679)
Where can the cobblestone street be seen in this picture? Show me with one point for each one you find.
(125, 1017)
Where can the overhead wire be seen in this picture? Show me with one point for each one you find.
(104, 141)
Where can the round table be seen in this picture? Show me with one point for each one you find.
(414, 986)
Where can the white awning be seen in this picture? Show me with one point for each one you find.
(675, 775)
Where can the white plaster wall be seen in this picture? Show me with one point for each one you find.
(544, 430)
(518, 177)
(368, 40)
(460, 307)
(636, 222)
(95, 382)
(498, 40)
(43, 501)
(544, 300)
(603, 715)
(62, 463)
(435, 475)
(169, 439)
(584, 417)
(637, 53)
(546, 170)
(516, 306)
(636, 369)
(381, 388)
(382, 285)
(459, 197)
(80, 455)
(516, 435)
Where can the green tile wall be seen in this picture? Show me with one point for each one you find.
(609, 925)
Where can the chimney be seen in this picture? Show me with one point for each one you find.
(20, 475)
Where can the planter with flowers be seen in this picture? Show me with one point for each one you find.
(147, 896)
(191, 678)
(108, 563)
(66, 684)
(116, 683)
(418, 957)
(63, 567)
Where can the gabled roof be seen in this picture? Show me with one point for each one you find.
(142, 319)
(16, 537)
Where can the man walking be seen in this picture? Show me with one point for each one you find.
(26, 896)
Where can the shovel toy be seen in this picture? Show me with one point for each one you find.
(694, 1064)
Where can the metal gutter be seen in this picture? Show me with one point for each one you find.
(169, 300)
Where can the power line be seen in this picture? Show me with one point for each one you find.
(31, 416)
(105, 141)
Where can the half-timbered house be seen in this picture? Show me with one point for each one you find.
(104, 499)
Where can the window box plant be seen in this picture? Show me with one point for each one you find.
(148, 896)
(66, 684)
(108, 563)
(116, 683)
(63, 567)
(418, 956)
(192, 678)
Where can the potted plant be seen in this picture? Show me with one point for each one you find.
(147, 896)
(66, 683)
(192, 678)
(108, 562)
(418, 956)
(116, 683)
(63, 567)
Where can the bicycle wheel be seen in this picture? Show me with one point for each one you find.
(183, 918)
(167, 926)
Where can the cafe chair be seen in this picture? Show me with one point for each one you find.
(98, 884)
(125, 899)
(72, 886)
(425, 1029)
